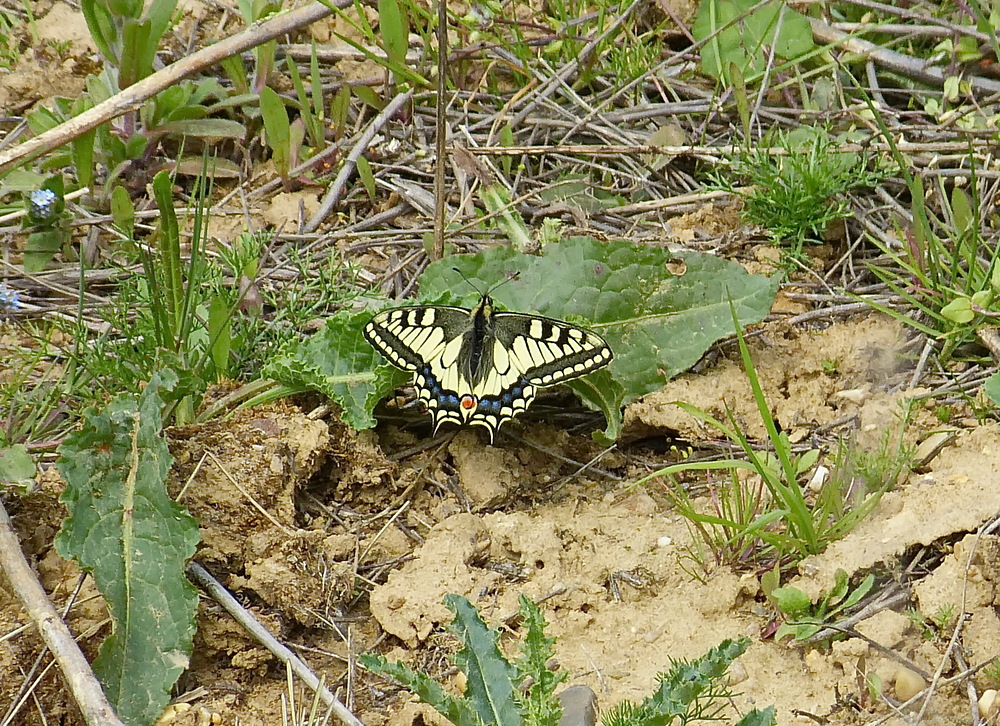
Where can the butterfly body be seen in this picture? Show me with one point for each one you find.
(481, 367)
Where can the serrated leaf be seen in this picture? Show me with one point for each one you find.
(339, 362)
(490, 678)
(538, 705)
(686, 681)
(125, 530)
(428, 690)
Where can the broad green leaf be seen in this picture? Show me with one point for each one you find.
(125, 530)
(791, 601)
(992, 388)
(959, 311)
(209, 128)
(272, 110)
(16, 466)
(41, 247)
(750, 29)
(339, 362)
(394, 26)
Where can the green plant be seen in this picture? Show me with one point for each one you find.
(931, 627)
(35, 400)
(391, 37)
(991, 674)
(773, 518)
(499, 692)
(45, 221)
(741, 33)
(804, 618)
(135, 541)
(174, 315)
(797, 181)
(128, 33)
(946, 270)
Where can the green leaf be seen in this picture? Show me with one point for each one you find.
(490, 678)
(16, 466)
(963, 216)
(125, 530)
(791, 601)
(456, 710)
(992, 388)
(538, 705)
(207, 128)
(123, 212)
(750, 30)
(272, 110)
(394, 25)
(687, 681)
(858, 593)
(41, 247)
(767, 717)
(220, 331)
(339, 362)
(366, 176)
(959, 311)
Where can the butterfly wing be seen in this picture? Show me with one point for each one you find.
(528, 352)
(431, 341)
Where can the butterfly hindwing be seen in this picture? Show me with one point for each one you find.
(480, 367)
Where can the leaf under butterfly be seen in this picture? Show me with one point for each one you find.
(658, 310)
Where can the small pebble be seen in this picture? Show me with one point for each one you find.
(908, 684)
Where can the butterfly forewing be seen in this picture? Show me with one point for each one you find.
(481, 367)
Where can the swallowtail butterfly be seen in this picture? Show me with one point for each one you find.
(481, 367)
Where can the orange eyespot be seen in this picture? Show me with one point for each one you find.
(468, 402)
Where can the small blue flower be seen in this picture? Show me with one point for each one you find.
(43, 203)
(9, 299)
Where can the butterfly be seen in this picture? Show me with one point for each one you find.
(481, 367)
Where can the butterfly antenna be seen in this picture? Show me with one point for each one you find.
(491, 288)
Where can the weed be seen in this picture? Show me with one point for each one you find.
(506, 693)
(796, 193)
(804, 618)
(761, 513)
(34, 398)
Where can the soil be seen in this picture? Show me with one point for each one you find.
(341, 541)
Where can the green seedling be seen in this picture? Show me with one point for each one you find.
(804, 618)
